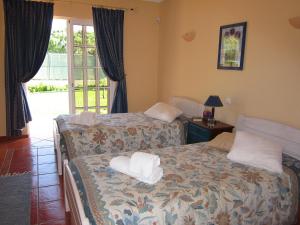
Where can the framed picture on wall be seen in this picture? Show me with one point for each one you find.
(232, 46)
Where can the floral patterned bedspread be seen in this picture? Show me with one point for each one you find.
(200, 186)
(118, 133)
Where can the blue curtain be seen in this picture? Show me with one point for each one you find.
(108, 25)
(27, 33)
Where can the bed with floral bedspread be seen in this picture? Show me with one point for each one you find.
(118, 133)
(200, 186)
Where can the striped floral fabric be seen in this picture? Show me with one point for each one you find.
(119, 133)
(200, 186)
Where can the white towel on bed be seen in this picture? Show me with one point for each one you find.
(121, 164)
(154, 177)
(84, 118)
(144, 163)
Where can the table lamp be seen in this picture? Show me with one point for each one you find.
(213, 101)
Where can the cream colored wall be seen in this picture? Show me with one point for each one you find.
(269, 85)
(140, 48)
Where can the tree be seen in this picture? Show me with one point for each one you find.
(58, 42)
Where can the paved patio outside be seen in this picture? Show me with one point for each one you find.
(44, 108)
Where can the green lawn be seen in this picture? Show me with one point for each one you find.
(92, 100)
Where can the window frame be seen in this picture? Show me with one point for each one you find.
(70, 50)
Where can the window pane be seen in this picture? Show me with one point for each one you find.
(91, 97)
(103, 78)
(91, 77)
(92, 109)
(78, 77)
(90, 36)
(104, 96)
(87, 72)
(77, 35)
(103, 110)
(91, 57)
(79, 110)
(58, 39)
(79, 97)
(78, 57)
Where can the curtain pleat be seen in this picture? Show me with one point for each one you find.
(108, 25)
(27, 34)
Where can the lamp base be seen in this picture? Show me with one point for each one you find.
(213, 112)
(211, 122)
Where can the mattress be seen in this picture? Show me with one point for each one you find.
(200, 186)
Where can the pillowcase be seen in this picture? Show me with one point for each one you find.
(189, 107)
(223, 141)
(253, 150)
(164, 112)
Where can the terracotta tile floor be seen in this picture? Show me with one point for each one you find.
(38, 157)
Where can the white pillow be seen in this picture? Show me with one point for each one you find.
(164, 112)
(189, 107)
(253, 150)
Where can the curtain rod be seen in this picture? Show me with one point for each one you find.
(86, 3)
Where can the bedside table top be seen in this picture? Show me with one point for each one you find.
(218, 126)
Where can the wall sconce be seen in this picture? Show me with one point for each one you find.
(295, 22)
(189, 36)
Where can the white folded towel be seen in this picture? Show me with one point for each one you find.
(157, 174)
(84, 118)
(121, 164)
(144, 163)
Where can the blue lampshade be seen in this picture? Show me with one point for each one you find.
(213, 101)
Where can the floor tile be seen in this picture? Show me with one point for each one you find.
(50, 193)
(26, 160)
(38, 157)
(23, 167)
(34, 170)
(34, 181)
(34, 140)
(25, 152)
(49, 139)
(21, 143)
(45, 159)
(51, 211)
(33, 215)
(47, 168)
(46, 151)
(48, 180)
(34, 151)
(3, 152)
(5, 165)
(34, 195)
(34, 207)
(43, 144)
(66, 221)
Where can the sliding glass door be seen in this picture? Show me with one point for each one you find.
(89, 89)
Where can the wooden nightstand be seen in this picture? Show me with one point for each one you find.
(198, 131)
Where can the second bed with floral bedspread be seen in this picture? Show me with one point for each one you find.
(200, 186)
(118, 133)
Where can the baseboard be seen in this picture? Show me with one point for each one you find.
(8, 139)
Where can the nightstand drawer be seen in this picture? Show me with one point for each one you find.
(200, 132)
(197, 134)
(192, 138)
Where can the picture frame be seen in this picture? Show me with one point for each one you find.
(231, 51)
